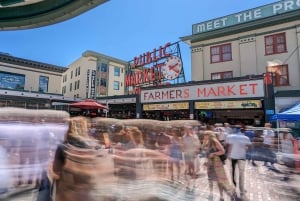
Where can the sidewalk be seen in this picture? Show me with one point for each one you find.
(24, 189)
(262, 184)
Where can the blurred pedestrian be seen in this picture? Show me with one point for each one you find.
(162, 140)
(191, 145)
(215, 169)
(269, 136)
(175, 152)
(287, 146)
(238, 145)
(227, 128)
(74, 179)
(6, 178)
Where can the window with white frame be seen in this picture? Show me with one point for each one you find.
(116, 85)
(43, 84)
(117, 71)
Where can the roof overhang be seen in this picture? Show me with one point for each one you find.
(28, 14)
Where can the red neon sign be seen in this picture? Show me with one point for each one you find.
(151, 74)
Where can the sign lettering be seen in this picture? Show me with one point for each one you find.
(87, 83)
(228, 104)
(166, 106)
(246, 16)
(93, 83)
(244, 89)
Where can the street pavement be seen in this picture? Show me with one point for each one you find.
(262, 184)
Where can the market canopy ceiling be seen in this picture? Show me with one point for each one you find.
(25, 14)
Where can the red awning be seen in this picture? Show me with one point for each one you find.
(88, 104)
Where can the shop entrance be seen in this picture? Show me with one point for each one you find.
(166, 115)
(232, 116)
(122, 111)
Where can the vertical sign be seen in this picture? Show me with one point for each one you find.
(93, 83)
(87, 83)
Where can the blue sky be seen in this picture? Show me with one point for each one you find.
(120, 28)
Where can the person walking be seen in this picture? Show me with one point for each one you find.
(269, 136)
(213, 149)
(175, 152)
(191, 145)
(237, 145)
(74, 166)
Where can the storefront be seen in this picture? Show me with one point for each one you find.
(166, 111)
(236, 101)
(121, 107)
(249, 112)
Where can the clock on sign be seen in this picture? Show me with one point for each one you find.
(172, 68)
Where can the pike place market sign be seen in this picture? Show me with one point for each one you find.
(247, 16)
(243, 89)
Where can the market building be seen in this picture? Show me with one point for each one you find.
(94, 75)
(257, 41)
(42, 85)
(29, 84)
(211, 101)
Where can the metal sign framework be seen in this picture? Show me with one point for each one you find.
(172, 50)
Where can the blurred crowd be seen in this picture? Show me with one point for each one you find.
(66, 158)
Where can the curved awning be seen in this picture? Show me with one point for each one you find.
(292, 114)
(25, 14)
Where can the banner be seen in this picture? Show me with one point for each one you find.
(87, 83)
(229, 104)
(166, 106)
(93, 83)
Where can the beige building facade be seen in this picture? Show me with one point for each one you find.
(251, 42)
(94, 75)
(27, 75)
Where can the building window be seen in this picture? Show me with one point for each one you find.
(104, 67)
(280, 75)
(220, 53)
(70, 86)
(221, 75)
(275, 44)
(103, 82)
(12, 81)
(78, 73)
(116, 85)
(43, 84)
(64, 90)
(78, 82)
(117, 71)
(64, 78)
